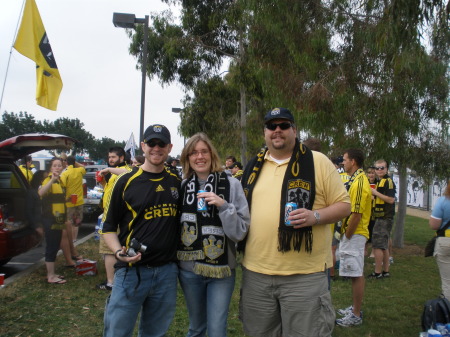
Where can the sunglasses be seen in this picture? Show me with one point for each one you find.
(379, 168)
(154, 143)
(283, 126)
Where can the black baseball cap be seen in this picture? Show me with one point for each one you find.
(236, 164)
(157, 131)
(279, 113)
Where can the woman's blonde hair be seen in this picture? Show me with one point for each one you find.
(216, 165)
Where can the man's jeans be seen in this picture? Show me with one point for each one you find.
(207, 300)
(154, 295)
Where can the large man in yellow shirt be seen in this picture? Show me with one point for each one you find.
(355, 232)
(285, 285)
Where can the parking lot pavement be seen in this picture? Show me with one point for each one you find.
(28, 262)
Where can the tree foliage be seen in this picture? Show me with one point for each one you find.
(349, 68)
(16, 124)
(22, 123)
(191, 52)
(193, 49)
(223, 126)
(101, 147)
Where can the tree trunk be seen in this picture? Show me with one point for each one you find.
(243, 127)
(243, 106)
(399, 228)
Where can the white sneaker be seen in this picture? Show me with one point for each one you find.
(349, 320)
(391, 260)
(345, 311)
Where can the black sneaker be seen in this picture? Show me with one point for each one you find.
(375, 276)
(103, 286)
(386, 274)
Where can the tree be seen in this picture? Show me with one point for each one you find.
(223, 126)
(73, 128)
(17, 124)
(192, 51)
(99, 150)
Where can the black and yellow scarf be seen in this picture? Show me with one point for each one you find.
(54, 204)
(298, 186)
(203, 239)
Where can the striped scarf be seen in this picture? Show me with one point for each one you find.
(203, 239)
(298, 186)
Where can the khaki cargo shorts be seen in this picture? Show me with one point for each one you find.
(103, 247)
(381, 233)
(75, 215)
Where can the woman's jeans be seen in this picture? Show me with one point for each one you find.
(207, 301)
(153, 294)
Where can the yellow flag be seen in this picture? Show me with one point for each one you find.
(32, 42)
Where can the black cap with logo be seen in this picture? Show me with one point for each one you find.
(157, 131)
(279, 113)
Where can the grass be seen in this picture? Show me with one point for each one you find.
(392, 307)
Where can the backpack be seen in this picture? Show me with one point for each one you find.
(435, 311)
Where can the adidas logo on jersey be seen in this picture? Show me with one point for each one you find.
(159, 189)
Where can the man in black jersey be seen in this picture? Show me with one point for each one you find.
(144, 207)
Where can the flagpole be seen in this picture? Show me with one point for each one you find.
(10, 53)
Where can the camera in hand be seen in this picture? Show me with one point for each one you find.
(136, 246)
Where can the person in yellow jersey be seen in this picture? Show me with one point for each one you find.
(336, 228)
(355, 233)
(72, 179)
(236, 170)
(25, 167)
(53, 219)
(285, 283)
(116, 166)
(384, 212)
(144, 205)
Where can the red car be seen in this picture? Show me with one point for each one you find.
(16, 234)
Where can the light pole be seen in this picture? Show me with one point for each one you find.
(177, 111)
(124, 20)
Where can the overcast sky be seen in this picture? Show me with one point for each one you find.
(101, 85)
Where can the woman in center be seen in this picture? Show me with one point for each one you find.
(207, 253)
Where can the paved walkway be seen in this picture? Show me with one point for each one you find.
(418, 212)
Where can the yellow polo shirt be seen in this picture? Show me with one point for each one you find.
(261, 251)
(72, 179)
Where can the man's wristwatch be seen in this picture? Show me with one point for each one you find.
(115, 254)
(317, 216)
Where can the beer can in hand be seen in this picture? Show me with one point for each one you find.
(290, 206)
(201, 203)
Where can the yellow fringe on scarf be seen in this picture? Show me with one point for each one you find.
(208, 270)
(190, 256)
